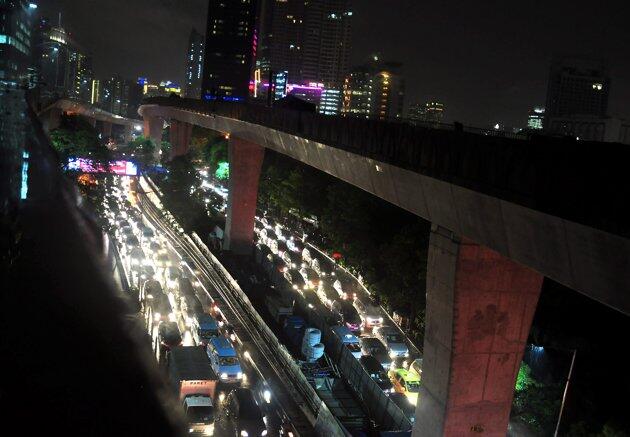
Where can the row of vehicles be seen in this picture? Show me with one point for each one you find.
(190, 343)
(359, 323)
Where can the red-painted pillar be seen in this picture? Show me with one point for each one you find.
(179, 135)
(153, 129)
(480, 307)
(245, 160)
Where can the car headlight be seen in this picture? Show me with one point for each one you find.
(224, 376)
(239, 375)
(135, 262)
(407, 354)
(157, 317)
(264, 432)
(392, 354)
(244, 433)
(380, 320)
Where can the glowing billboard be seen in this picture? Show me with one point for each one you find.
(121, 168)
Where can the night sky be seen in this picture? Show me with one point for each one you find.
(487, 61)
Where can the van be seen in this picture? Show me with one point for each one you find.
(350, 340)
(224, 360)
(204, 328)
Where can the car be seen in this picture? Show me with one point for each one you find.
(323, 267)
(172, 274)
(405, 405)
(154, 247)
(416, 367)
(132, 242)
(393, 340)
(374, 347)
(327, 294)
(162, 260)
(292, 259)
(243, 415)
(295, 244)
(224, 360)
(345, 287)
(161, 307)
(376, 372)
(136, 259)
(351, 341)
(123, 232)
(147, 271)
(189, 306)
(267, 235)
(311, 278)
(347, 315)
(149, 289)
(278, 247)
(169, 336)
(406, 383)
(370, 315)
(307, 255)
(295, 279)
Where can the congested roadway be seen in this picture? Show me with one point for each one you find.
(153, 259)
(338, 296)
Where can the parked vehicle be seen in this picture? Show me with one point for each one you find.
(224, 360)
(393, 341)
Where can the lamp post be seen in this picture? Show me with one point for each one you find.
(564, 396)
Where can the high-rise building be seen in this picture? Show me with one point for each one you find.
(95, 92)
(429, 112)
(309, 39)
(577, 86)
(194, 65)
(229, 49)
(121, 96)
(16, 17)
(535, 118)
(375, 90)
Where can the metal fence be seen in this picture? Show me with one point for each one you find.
(380, 407)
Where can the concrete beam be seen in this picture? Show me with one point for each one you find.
(480, 307)
(106, 129)
(245, 160)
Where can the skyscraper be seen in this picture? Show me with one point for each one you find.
(121, 96)
(577, 86)
(309, 39)
(15, 40)
(194, 65)
(375, 90)
(229, 49)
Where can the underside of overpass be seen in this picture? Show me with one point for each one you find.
(487, 259)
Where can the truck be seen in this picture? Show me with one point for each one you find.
(279, 304)
(194, 381)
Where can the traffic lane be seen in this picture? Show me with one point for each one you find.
(253, 376)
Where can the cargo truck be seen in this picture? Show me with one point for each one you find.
(194, 381)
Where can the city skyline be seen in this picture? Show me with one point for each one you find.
(483, 70)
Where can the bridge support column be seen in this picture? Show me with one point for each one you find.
(179, 135)
(245, 160)
(106, 129)
(153, 129)
(52, 120)
(127, 133)
(480, 307)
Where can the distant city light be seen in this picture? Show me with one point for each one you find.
(32, 6)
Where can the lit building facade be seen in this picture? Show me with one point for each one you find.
(429, 112)
(16, 22)
(229, 49)
(121, 96)
(194, 65)
(577, 87)
(375, 90)
(536, 118)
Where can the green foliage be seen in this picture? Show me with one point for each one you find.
(223, 170)
(143, 149)
(536, 404)
(77, 137)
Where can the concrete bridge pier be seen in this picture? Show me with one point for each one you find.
(480, 307)
(52, 120)
(179, 135)
(245, 159)
(152, 128)
(127, 133)
(106, 129)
